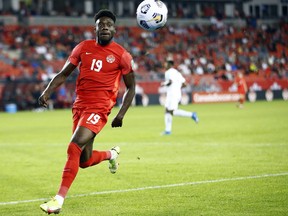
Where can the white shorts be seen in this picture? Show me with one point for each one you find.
(172, 102)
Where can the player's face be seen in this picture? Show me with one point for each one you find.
(105, 30)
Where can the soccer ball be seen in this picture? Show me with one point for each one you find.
(151, 14)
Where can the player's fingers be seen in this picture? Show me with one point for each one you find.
(116, 123)
(42, 102)
(45, 105)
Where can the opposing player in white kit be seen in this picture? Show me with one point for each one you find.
(174, 82)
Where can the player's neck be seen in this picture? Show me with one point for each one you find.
(104, 43)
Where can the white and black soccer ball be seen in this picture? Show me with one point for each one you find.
(151, 14)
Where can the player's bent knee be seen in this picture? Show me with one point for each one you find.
(84, 165)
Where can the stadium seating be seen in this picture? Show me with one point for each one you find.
(36, 53)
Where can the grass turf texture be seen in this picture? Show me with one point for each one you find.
(228, 143)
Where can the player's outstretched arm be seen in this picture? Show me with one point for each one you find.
(129, 81)
(55, 82)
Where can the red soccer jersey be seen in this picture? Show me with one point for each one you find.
(241, 84)
(100, 69)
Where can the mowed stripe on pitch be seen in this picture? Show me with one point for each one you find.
(155, 187)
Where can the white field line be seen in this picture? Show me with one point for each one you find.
(154, 187)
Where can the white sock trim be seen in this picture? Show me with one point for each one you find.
(59, 199)
(168, 122)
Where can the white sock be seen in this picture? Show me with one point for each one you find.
(60, 199)
(182, 113)
(168, 122)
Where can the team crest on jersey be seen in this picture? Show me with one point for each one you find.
(110, 58)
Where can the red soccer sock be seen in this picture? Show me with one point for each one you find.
(71, 168)
(96, 158)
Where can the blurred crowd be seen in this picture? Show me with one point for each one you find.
(123, 8)
(37, 53)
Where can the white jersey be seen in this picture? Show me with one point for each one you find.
(173, 94)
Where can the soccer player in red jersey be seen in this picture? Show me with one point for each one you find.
(241, 88)
(101, 63)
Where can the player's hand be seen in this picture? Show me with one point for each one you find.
(42, 100)
(117, 122)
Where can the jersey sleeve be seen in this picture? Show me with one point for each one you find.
(167, 75)
(126, 63)
(183, 80)
(74, 58)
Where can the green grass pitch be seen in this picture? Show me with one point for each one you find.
(234, 162)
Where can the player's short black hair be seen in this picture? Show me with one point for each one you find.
(171, 62)
(106, 13)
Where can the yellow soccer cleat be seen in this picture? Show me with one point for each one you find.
(113, 164)
(51, 207)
